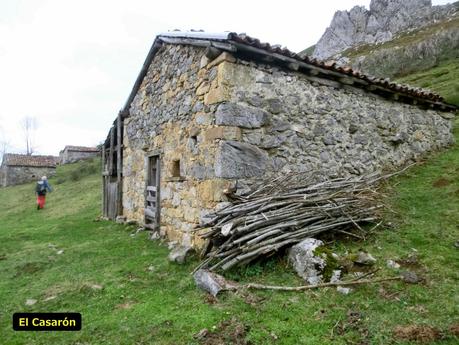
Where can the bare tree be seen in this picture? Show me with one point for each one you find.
(4, 144)
(29, 126)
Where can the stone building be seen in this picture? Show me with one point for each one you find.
(210, 113)
(17, 168)
(72, 154)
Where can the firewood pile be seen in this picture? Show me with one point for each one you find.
(285, 210)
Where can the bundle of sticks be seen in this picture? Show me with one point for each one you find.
(283, 211)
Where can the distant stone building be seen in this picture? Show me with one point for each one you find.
(17, 168)
(72, 154)
(211, 113)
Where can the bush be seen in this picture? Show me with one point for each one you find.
(77, 171)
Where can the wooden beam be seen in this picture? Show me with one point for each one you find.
(103, 181)
(211, 52)
(346, 80)
(111, 150)
(119, 163)
(197, 42)
(293, 66)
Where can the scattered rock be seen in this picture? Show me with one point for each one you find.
(212, 282)
(179, 254)
(120, 219)
(154, 235)
(308, 265)
(364, 258)
(59, 252)
(410, 277)
(30, 301)
(96, 287)
(392, 264)
(151, 268)
(171, 245)
(419, 333)
(201, 334)
(336, 275)
(50, 298)
(343, 290)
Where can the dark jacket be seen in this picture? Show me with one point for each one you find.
(43, 187)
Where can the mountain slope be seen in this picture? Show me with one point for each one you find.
(382, 22)
(420, 51)
(409, 52)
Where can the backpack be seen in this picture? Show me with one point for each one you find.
(41, 188)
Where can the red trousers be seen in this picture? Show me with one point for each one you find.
(41, 199)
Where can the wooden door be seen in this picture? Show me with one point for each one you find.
(152, 206)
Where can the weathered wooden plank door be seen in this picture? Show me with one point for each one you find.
(152, 199)
(112, 193)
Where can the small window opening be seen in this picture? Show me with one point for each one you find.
(175, 171)
(194, 140)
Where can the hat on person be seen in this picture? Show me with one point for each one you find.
(44, 178)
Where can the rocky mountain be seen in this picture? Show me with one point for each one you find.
(381, 23)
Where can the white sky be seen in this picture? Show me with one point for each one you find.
(71, 64)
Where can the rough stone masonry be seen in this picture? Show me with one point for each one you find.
(229, 121)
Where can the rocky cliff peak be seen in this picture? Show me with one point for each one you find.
(380, 23)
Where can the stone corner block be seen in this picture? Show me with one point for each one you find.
(234, 114)
(240, 160)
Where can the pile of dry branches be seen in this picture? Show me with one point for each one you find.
(285, 210)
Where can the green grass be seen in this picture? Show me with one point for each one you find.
(443, 79)
(308, 51)
(147, 300)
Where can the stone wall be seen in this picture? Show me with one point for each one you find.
(69, 156)
(293, 123)
(172, 114)
(228, 121)
(14, 175)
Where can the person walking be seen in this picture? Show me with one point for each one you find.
(41, 189)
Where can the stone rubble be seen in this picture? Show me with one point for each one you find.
(305, 262)
(364, 258)
(392, 264)
(212, 282)
(179, 254)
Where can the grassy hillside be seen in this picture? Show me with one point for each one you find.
(128, 293)
(443, 79)
(308, 51)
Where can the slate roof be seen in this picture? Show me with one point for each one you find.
(81, 148)
(12, 159)
(253, 48)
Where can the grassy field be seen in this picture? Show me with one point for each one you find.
(128, 292)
